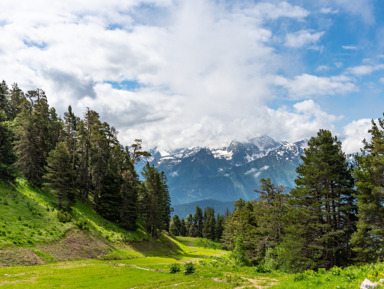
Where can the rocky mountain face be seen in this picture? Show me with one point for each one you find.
(227, 173)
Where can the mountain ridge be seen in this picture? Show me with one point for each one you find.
(227, 173)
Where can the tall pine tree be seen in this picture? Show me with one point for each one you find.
(324, 195)
(368, 240)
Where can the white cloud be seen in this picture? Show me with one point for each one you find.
(362, 8)
(382, 80)
(203, 70)
(251, 171)
(365, 69)
(306, 85)
(329, 10)
(349, 47)
(302, 38)
(354, 133)
(322, 68)
(277, 10)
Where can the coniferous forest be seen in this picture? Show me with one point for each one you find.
(333, 217)
(78, 158)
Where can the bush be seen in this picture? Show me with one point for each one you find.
(336, 271)
(82, 225)
(64, 217)
(174, 268)
(189, 268)
(261, 269)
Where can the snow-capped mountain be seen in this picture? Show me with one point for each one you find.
(228, 173)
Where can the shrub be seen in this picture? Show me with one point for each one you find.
(336, 271)
(174, 268)
(189, 268)
(64, 217)
(82, 225)
(261, 269)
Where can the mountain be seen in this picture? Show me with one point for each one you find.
(227, 173)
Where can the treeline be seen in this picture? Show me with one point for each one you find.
(201, 224)
(79, 159)
(333, 217)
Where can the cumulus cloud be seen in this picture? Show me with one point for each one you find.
(365, 69)
(204, 71)
(354, 134)
(349, 47)
(276, 10)
(307, 85)
(362, 8)
(302, 38)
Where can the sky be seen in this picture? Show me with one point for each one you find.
(203, 72)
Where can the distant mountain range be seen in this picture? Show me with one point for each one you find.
(228, 173)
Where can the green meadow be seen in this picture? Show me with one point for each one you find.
(39, 251)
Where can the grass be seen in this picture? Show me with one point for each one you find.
(27, 217)
(90, 252)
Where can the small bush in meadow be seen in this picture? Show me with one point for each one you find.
(64, 217)
(261, 269)
(174, 268)
(336, 271)
(189, 268)
(82, 225)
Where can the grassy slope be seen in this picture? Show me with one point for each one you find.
(31, 234)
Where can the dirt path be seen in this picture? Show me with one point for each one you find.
(260, 283)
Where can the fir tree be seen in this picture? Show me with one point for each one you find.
(59, 178)
(324, 195)
(209, 223)
(368, 240)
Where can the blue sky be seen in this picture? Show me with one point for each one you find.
(203, 72)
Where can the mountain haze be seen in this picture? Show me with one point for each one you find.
(227, 173)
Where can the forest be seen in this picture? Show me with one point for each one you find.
(79, 159)
(333, 217)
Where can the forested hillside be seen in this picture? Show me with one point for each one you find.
(79, 159)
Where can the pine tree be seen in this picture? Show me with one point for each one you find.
(16, 102)
(4, 91)
(324, 195)
(270, 210)
(209, 223)
(59, 178)
(183, 229)
(157, 201)
(219, 227)
(198, 222)
(129, 193)
(175, 226)
(109, 200)
(7, 156)
(368, 240)
(38, 130)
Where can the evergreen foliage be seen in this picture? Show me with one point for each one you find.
(60, 176)
(79, 159)
(368, 240)
(324, 198)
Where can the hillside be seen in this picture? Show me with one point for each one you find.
(31, 232)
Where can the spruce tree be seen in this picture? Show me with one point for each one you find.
(129, 193)
(324, 195)
(198, 222)
(209, 223)
(7, 156)
(368, 240)
(59, 178)
(175, 226)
